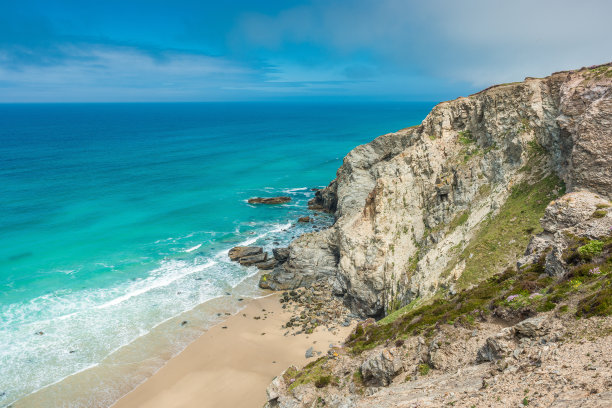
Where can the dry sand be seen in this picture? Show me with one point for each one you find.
(232, 363)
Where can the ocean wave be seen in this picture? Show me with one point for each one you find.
(193, 248)
(159, 278)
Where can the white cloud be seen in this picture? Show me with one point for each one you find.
(479, 41)
(115, 72)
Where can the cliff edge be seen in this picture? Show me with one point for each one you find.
(418, 211)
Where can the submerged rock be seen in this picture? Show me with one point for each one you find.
(269, 200)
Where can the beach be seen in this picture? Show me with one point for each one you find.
(231, 364)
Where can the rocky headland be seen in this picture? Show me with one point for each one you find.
(476, 248)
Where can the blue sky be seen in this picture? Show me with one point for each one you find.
(239, 50)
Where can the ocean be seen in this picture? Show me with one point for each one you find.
(116, 219)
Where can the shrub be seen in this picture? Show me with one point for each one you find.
(424, 369)
(591, 249)
(323, 381)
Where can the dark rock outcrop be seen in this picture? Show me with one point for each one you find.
(241, 251)
(269, 200)
(253, 259)
(281, 254)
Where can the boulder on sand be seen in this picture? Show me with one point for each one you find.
(269, 200)
(241, 251)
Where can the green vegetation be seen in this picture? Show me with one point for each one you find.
(358, 377)
(601, 72)
(525, 126)
(323, 381)
(314, 372)
(591, 249)
(465, 137)
(599, 213)
(424, 369)
(535, 148)
(517, 292)
(502, 238)
(391, 317)
(459, 220)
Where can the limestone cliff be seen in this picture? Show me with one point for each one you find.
(415, 209)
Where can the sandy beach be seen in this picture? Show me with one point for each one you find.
(232, 363)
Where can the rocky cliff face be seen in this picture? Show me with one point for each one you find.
(414, 209)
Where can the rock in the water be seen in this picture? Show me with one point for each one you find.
(240, 251)
(253, 259)
(269, 200)
(304, 219)
(380, 367)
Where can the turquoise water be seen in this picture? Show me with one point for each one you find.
(117, 217)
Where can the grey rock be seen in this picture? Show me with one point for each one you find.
(309, 353)
(267, 265)
(281, 254)
(253, 259)
(533, 327)
(381, 366)
(241, 251)
(497, 347)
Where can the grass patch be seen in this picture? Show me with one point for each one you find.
(502, 239)
(465, 137)
(591, 249)
(391, 317)
(424, 369)
(323, 381)
(314, 372)
(459, 220)
(515, 292)
(599, 213)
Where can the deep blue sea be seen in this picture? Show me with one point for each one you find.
(115, 218)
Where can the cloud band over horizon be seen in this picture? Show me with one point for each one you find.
(73, 51)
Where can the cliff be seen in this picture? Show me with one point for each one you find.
(484, 236)
(420, 211)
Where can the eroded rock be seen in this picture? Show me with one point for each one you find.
(381, 366)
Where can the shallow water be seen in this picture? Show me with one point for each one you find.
(116, 218)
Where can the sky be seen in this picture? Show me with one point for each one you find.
(286, 50)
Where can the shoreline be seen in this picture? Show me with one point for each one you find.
(232, 363)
